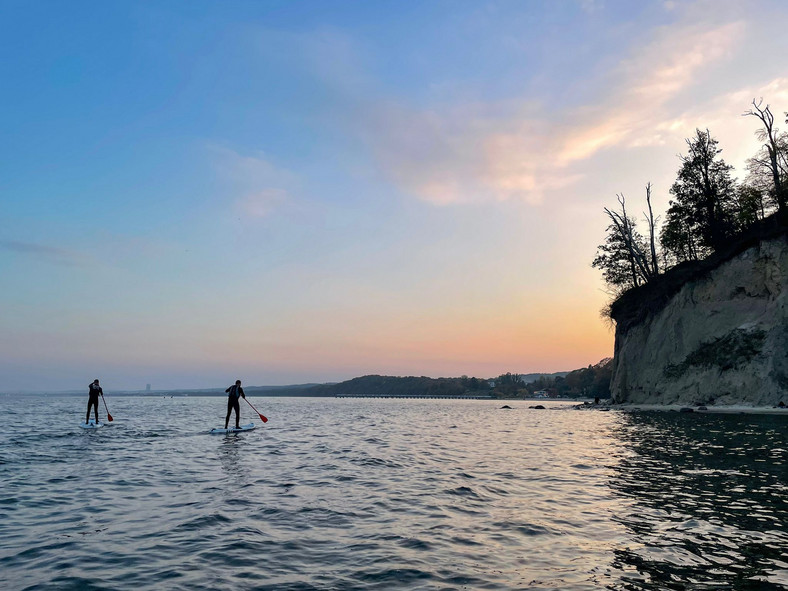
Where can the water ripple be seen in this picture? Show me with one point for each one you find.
(385, 494)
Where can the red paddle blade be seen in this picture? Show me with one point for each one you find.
(109, 416)
(262, 418)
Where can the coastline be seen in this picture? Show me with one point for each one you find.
(731, 409)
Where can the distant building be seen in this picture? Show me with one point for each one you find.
(541, 394)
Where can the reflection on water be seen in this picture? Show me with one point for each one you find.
(704, 497)
(230, 455)
(368, 495)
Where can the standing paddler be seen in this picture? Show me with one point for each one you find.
(235, 393)
(94, 391)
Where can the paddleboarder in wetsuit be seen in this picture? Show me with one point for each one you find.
(94, 391)
(235, 393)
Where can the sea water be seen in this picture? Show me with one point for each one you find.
(362, 494)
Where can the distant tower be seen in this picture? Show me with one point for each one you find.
(147, 387)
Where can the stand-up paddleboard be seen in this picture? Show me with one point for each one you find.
(91, 425)
(243, 428)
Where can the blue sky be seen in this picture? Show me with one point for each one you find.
(286, 192)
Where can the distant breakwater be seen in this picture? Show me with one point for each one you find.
(422, 396)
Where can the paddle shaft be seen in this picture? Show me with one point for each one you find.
(109, 416)
(262, 418)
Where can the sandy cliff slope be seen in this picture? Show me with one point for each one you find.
(722, 338)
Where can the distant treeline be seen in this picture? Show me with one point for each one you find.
(375, 385)
(591, 381)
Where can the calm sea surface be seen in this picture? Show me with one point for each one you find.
(353, 494)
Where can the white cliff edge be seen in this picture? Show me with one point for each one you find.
(722, 339)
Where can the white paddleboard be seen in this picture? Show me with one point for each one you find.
(91, 425)
(218, 431)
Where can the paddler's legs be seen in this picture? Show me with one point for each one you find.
(94, 403)
(229, 410)
(237, 407)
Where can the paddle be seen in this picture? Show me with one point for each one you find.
(109, 416)
(262, 418)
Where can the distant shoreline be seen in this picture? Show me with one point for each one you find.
(274, 394)
(732, 409)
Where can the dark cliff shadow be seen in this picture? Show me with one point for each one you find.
(705, 498)
(638, 304)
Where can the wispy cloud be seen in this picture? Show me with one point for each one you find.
(722, 115)
(528, 147)
(469, 153)
(591, 6)
(51, 254)
(524, 151)
(257, 185)
(672, 64)
(261, 203)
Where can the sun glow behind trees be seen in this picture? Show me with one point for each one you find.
(708, 209)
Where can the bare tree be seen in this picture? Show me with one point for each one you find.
(775, 147)
(626, 230)
(651, 232)
(614, 260)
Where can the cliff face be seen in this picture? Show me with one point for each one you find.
(721, 338)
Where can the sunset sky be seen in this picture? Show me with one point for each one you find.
(287, 192)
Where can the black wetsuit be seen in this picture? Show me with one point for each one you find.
(233, 403)
(94, 391)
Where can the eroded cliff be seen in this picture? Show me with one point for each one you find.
(720, 337)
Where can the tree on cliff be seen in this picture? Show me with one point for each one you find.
(613, 258)
(752, 203)
(626, 259)
(768, 169)
(679, 237)
(702, 214)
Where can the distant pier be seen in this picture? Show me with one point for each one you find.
(424, 396)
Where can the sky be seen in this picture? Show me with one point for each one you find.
(290, 192)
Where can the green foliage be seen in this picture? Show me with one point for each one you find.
(375, 385)
(728, 352)
(508, 385)
(614, 260)
(701, 215)
(679, 236)
(591, 381)
(762, 168)
(752, 205)
(595, 382)
(627, 259)
(707, 213)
